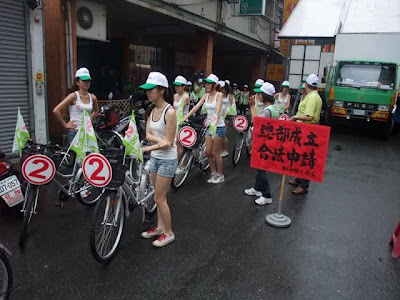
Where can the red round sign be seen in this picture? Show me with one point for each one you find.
(38, 169)
(97, 170)
(284, 117)
(240, 123)
(187, 136)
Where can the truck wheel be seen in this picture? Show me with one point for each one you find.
(385, 131)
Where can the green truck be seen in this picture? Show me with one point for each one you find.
(361, 83)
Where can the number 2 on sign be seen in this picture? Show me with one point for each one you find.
(240, 123)
(37, 173)
(186, 140)
(96, 172)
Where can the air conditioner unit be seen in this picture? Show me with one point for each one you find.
(91, 20)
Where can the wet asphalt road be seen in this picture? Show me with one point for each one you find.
(336, 248)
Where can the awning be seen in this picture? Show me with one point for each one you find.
(375, 16)
(313, 19)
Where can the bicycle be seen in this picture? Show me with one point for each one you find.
(130, 187)
(77, 186)
(6, 274)
(244, 139)
(194, 154)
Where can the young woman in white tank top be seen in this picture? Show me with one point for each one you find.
(282, 99)
(212, 101)
(77, 103)
(160, 131)
(227, 101)
(179, 97)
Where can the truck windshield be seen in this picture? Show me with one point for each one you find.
(377, 76)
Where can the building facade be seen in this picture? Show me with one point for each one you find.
(121, 41)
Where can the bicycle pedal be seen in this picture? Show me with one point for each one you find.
(59, 204)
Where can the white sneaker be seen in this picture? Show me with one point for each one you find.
(218, 178)
(164, 240)
(262, 200)
(252, 192)
(211, 179)
(224, 153)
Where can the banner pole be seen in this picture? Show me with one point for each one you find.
(278, 219)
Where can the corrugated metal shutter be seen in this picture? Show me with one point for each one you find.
(13, 70)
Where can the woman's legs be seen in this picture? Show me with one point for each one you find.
(225, 144)
(216, 151)
(161, 187)
(209, 153)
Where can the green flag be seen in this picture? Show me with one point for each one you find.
(85, 140)
(21, 135)
(131, 140)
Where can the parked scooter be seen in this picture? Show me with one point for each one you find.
(10, 188)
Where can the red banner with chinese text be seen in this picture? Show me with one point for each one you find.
(290, 148)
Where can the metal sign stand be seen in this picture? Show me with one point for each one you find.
(278, 219)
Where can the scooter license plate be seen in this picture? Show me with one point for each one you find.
(10, 191)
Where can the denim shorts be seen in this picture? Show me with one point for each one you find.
(163, 167)
(70, 134)
(221, 132)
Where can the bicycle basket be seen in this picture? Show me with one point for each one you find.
(54, 153)
(116, 158)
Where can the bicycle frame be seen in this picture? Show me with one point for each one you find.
(127, 192)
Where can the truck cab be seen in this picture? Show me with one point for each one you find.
(361, 91)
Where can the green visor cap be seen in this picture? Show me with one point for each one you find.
(258, 90)
(257, 85)
(285, 86)
(209, 81)
(147, 86)
(178, 83)
(85, 77)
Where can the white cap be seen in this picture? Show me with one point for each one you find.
(312, 80)
(189, 83)
(259, 82)
(227, 82)
(212, 79)
(266, 88)
(285, 84)
(221, 83)
(246, 86)
(155, 79)
(200, 80)
(180, 80)
(83, 73)
(235, 84)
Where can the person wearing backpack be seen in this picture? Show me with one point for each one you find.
(264, 94)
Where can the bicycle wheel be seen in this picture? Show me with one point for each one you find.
(238, 149)
(146, 188)
(249, 140)
(203, 160)
(31, 193)
(6, 276)
(109, 139)
(107, 225)
(183, 169)
(86, 193)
